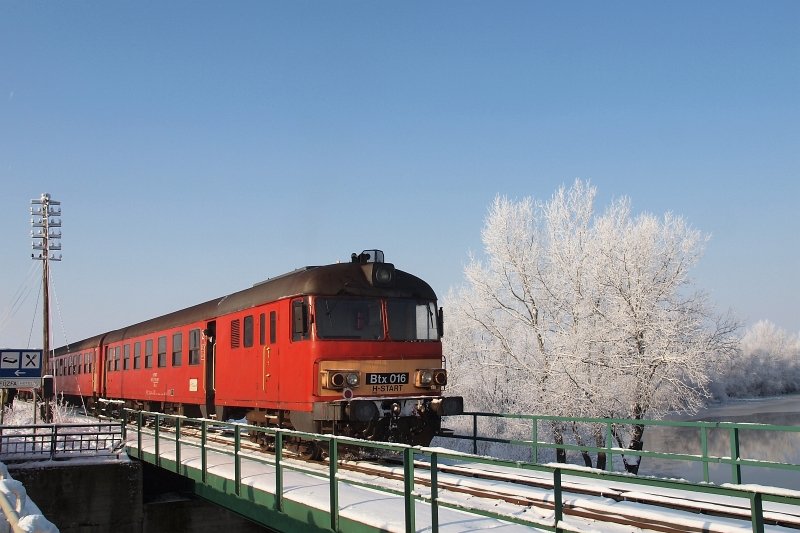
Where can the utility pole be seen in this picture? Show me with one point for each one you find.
(47, 238)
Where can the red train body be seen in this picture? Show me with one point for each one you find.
(348, 348)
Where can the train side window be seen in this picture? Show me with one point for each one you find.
(177, 349)
(236, 333)
(162, 351)
(116, 358)
(126, 357)
(137, 355)
(299, 320)
(148, 353)
(273, 318)
(248, 331)
(194, 347)
(262, 329)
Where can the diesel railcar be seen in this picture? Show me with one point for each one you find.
(350, 348)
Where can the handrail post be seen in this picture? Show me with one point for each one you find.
(177, 445)
(237, 443)
(757, 512)
(139, 417)
(609, 447)
(333, 463)
(534, 441)
(434, 492)
(408, 489)
(156, 434)
(704, 451)
(736, 468)
(558, 503)
(53, 440)
(278, 471)
(475, 434)
(203, 451)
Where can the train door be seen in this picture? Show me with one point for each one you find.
(209, 347)
(104, 364)
(270, 357)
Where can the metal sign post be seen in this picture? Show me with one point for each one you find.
(20, 369)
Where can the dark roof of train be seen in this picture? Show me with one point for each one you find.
(328, 280)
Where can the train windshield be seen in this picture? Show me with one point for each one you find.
(349, 318)
(412, 320)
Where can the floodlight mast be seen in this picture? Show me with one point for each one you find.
(47, 237)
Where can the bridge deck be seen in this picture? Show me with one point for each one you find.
(293, 495)
(306, 497)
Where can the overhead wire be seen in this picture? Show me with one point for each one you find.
(19, 297)
(66, 338)
(58, 310)
(33, 319)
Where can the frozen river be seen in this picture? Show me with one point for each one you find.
(774, 446)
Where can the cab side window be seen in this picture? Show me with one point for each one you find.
(300, 321)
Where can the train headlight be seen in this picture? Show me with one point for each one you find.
(379, 274)
(440, 378)
(383, 276)
(424, 378)
(339, 379)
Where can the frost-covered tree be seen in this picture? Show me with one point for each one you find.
(585, 314)
(767, 364)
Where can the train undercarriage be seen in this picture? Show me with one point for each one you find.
(409, 420)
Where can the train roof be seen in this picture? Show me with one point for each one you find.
(330, 280)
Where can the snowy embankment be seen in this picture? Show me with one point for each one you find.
(19, 511)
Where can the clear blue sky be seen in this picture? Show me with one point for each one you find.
(199, 147)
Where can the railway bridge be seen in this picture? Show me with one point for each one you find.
(371, 486)
(437, 489)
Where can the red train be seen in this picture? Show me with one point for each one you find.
(349, 348)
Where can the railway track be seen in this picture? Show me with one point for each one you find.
(638, 509)
(644, 515)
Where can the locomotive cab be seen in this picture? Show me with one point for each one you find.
(378, 365)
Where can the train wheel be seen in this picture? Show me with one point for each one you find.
(311, 451)
(267, 443)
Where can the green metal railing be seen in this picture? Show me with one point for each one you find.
(754, 495)
(539, 424)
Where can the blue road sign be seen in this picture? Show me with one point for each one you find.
(20, 364)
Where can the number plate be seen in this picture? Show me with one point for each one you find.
(388, 378)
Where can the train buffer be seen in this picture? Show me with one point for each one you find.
(434, 489)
